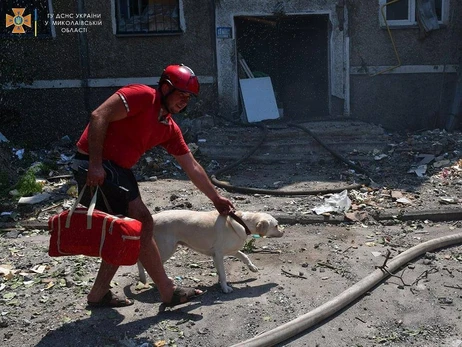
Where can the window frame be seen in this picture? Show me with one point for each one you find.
(411, 21)
(115, 4)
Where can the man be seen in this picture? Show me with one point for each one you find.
(131, 121)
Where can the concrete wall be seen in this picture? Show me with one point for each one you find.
(417, 95)
(56, 105)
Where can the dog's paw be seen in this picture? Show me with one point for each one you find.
(253, 268)
(226, 289)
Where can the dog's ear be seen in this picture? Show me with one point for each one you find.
(262, 227)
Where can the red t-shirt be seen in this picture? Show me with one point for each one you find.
(129, 138)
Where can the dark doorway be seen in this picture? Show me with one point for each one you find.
(293, 51)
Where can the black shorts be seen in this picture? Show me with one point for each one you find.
(119, 187)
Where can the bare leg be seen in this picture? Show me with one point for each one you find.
(149, 257)
(102, 282)
(149, 253)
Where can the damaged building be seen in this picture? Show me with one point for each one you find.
(393, 63)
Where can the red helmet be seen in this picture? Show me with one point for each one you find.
(182, 78)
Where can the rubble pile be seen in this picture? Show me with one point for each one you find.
(417, 171)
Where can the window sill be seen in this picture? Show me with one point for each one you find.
(407, 26)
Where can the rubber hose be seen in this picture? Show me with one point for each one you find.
(316, 316)
(231, 188)
(330, 150)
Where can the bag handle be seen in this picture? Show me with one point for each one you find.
(91, 207)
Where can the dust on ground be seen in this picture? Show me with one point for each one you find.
(43, 299)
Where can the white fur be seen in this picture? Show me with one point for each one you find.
(210, 234)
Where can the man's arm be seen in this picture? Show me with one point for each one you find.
(109, 111)
(199, 177)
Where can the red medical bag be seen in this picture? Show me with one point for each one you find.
(87, 231)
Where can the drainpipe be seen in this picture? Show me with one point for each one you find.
(84, 61)
(456, 109)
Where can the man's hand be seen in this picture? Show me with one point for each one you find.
(95, 175)
(223, 205)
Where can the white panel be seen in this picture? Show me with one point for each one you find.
(259, 100)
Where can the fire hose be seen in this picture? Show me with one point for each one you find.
(318, 315)
(248, 190)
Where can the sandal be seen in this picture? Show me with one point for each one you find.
(111, 300)
(181, 295)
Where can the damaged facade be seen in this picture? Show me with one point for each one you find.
(394, 64)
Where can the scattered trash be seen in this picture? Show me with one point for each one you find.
(38, 269)
(404, 201)
(448, 200)
(357, 216)
(3, 138)
(35, 199)
(64, 159)
(426, 159)
(419, 170)
(380, 157)
(335, 203)
(441, 163)
(8, 216)
(19, 153)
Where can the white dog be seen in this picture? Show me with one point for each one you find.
(211, 234)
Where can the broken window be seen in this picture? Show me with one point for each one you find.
(147, 16)
(30, 18)
(406, 12)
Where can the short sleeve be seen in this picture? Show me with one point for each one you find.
(136, 97)
(176, 145)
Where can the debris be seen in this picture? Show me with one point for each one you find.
(39, 269)
(419, 170)
(3, 138)
(335, 203)
(357, 216)
(441, 163)
(35, 199)
(396, 194)
(19, 153)
(426, 159)
(380, 157)
(404, 201)
(448, 200)
(293, 275)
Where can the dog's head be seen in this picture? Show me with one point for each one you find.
(262, 224)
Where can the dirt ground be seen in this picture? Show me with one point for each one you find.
(43, 299)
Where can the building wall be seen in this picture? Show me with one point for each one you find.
(417, 95)
(59, 104)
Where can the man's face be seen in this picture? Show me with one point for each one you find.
(177, 101)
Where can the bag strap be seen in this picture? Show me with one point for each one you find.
(91, 207)
(74, 206)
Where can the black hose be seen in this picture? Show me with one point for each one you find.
(330, 150)
(232, 188)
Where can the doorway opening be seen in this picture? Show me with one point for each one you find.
(293, 51)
